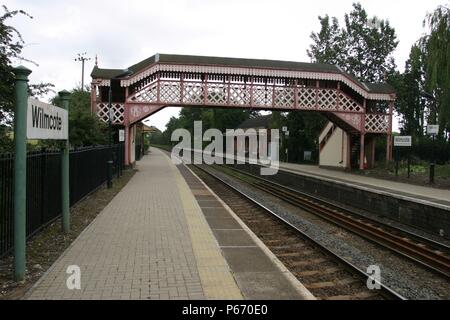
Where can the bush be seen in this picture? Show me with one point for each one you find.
(423, 148)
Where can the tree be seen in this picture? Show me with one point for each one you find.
(217, 118)
(364, 47)
(85, 128)
(327, 47)
(11, 45)
(409, 85)
(436, 46)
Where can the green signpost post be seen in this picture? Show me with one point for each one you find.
(20, 171)
(65, 191)
(35, 120)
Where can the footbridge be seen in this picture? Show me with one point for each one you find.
(362, 110)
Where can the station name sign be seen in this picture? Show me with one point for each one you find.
(402, 141)
(45, 121)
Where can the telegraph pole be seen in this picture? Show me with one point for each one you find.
(82, 57)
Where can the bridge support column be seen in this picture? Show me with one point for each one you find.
(348, 164)
(362, 152)
(373, 144)
(389, 137)
(388, 149)
(127, 145)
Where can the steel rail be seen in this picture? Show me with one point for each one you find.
(385, 290)
(398, 240)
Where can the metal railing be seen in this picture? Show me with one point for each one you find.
(88, 171)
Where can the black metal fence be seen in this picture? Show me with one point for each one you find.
(88, 171)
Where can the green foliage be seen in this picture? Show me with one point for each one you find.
(85, 128)
(146, 142)
(11, 45)
(436, 46)
(157, 138)
(363, 47)
(427, 70)
(424, 147)
(220, 119)
(304, 129)
(410, 104)
(327, 47)
(6, 142)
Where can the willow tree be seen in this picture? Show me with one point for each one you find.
(436, 46)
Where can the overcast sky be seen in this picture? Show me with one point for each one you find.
(123, 33)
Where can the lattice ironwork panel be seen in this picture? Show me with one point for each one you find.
(148, 94)
(307, 98)
(239, 94)
(327, 99)
(193, 93)
(284, 97)
(170, 91)
(356, 120)
(117, 112)
(217, 93)
(377, 123)
(348, 104)
(262, 96)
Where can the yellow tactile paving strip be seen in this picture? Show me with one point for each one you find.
(215, 275)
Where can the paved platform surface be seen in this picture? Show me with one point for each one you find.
(258, 273)
(150, 242)
(153, 242)
(423, 194)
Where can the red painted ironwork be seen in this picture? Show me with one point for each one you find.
(159, 86)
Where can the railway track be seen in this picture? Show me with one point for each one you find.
(327, 275)
(430, 254)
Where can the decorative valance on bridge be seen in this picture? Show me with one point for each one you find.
(242, 67)
(175, 80)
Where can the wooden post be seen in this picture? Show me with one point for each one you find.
(372, 156)
(388, 149)
(127, 145)
(349, 151)
(389, 137)
(362, 152)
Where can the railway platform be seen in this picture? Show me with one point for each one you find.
(409, 192)
(423, 208)
(167, 236)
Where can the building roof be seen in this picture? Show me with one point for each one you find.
(99, 73)
(149, 129)
(257, 122)
(379, 87)
(108, 73)
(205, 60)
